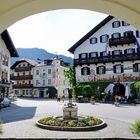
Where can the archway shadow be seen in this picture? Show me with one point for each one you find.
(16, 113)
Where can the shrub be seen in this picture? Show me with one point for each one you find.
(136, 128)
(89, 121)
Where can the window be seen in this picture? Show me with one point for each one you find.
(23, 65)
(117, 52)
(129, 51)
(116, 35)
(93, 54)
(138, 34)
(128, 34)
(100, 70)
(118, 68)
(93, 40)
(136, 67)
(116, 24)
(83, 55)
(49, 81)
(103, 53)
(43, 82)
(37, 72)
(125, 23)
(85, 71)
(37, 82)
(104, 38)
(49, 71)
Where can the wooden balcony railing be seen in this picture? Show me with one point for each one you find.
(122, 41)
(23, 86)
(106, 59)
(18, 69)
(22, 77)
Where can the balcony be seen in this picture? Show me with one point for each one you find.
(4, 83)
(23, 86)
(18, 69)
(122, 41)
(107, 59)
(22, 77)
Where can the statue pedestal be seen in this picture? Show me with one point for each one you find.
(70, 112)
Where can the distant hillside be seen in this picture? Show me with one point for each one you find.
(36, 53)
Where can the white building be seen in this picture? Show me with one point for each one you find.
(109, 52)
(50, 73)
(7, 50)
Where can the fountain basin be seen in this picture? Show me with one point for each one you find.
(72, 128)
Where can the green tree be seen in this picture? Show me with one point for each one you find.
(70, 75)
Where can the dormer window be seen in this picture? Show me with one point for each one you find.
(116, 24)
(83, 55)
(125, 23)
(93, 40)
(104, 38)
(116, 35)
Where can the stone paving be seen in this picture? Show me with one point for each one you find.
(118, 125)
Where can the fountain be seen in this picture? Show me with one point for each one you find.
(70, 121)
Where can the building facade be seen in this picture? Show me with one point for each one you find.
(7, 50)
(34, 79)
(109, 52)
(23, 77)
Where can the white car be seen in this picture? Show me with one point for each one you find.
(5, 102)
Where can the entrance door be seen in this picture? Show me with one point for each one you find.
(41, 94)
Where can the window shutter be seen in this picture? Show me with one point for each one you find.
(133, 51)
(137, 33)
(88, 71)
(125, 51)
(109, 53)
(89, 55)
(122, 23)
(122, 70)
(97, 70)
(79, 55)
(100, 38)
(82, 71)
(96, 54)
(90, 41)
(86, 55)
(101, 53)
(104, 70)
(113, 53)
(120, 52)
(114, 69)
(113, 25)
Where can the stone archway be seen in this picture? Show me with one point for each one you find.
(119, 89)
(12, 11)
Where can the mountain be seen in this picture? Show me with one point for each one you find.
(37, 53)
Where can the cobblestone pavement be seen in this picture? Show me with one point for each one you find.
(19, 120)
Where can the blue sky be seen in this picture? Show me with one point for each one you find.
(54, 31)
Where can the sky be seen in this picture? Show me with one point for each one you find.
(55, 31)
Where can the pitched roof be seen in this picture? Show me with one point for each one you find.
(90, 33)
(32, 62)
(9, 43)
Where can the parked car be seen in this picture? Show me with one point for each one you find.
(5, 102)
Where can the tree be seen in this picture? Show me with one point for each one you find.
(70, 75)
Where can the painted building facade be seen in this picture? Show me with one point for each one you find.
(109, 52)
(32, 78)
(7, 50)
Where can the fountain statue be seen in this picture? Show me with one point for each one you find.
(70, 110)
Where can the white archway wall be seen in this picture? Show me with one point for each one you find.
(13, 10)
